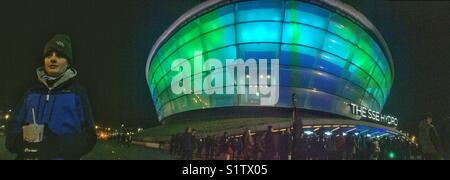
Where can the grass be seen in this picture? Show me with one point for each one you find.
(106, 150)
(164, 132)
(109, 150)
(4, 154)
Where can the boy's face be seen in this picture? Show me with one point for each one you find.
(55, 64)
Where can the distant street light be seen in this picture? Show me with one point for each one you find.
(391, 155)
(7, 117)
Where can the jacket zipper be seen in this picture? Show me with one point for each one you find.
(47, 98)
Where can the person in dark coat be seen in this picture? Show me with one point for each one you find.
(186, 145)
(269, 144)
(285, 146)
(247, 144)
(429, 139)
(300, 147)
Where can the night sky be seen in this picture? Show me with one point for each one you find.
(112, 40)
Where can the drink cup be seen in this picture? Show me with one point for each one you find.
(33, 133)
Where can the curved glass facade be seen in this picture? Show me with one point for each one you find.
(325, 58)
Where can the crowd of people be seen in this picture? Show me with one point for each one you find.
(282, 145)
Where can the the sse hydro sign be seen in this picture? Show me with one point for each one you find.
(371, 115)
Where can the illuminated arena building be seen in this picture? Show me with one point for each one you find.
(330, 56)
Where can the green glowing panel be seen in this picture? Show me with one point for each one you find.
(216, 19)
(258, 32)
(378, 95)
(368, 45)
(377, 75)
(338, 46)
(357, 76)
(306, 14)
(206, 23)
(331, 64)
(223, 54)
(295, 55)
(372, 86)
(384, 88)
(389, 79)
(210, 41)
(259, 10)
(382, 62)
(363, 61)
(344, 28)
(304, 35)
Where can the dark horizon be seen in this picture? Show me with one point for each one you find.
(112, 40)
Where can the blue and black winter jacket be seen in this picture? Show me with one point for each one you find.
(66, 113)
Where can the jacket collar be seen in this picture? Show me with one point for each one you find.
(66, 76)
